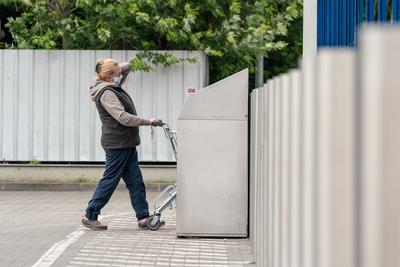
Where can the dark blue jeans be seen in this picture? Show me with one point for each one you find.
(120, 163)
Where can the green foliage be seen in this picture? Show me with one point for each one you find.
(7, 3)
(231, 32)
(281, 61)
(143, 59)
(34, 162)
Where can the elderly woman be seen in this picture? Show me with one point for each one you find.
(120, 136)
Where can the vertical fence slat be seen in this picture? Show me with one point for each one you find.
(9, 80)
(344, 22)
(260, 163)
(370, 10)
(320, 23)
(331, 23)
(295, 175)
(352, 23)
(308, 163)
(382, 10)
(257, 173)
(285, 170)
(336, 25)
(328, 19)
(277, 171)
(360, 11)
(271, 155)
(326, 22)
(395, 10)
(379, 150)
(331, 185)
(264, 185)
(359, 17)
(335, 123)
(253, 167)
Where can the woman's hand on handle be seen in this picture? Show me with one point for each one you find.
(156, 122)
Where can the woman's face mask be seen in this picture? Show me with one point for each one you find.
(117, 80)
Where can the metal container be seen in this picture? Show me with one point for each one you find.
(212, 160)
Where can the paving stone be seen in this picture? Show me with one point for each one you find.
(52, 216)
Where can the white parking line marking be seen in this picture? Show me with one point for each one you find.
(53, 253)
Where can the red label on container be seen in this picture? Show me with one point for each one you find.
(191, 90)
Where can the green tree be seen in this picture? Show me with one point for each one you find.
(231, 32)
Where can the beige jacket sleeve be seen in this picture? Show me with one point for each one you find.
(113, 106)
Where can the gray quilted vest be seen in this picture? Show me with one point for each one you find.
(113, 134)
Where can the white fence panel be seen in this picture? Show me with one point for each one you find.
(326, 159)
(46, 113)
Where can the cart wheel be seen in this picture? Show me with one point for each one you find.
(153, 222)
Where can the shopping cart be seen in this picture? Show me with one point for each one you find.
(169, 193)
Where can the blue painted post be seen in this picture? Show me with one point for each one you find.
(348, 23)
(320, 22)
(326, 23)
(344, 22)
(337, 28)
(340, 18)
(370, 10)
(352, 26)
(382, 10)
(359, 17)
(395, 10)
(333, 18)
(360, 11)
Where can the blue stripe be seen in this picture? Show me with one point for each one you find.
(370, 10)
(382, 10)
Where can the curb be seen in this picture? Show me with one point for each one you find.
(152, 187)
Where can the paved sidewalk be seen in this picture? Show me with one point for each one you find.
(43, 228)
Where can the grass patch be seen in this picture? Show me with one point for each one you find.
(160, 181)
(79, 180)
